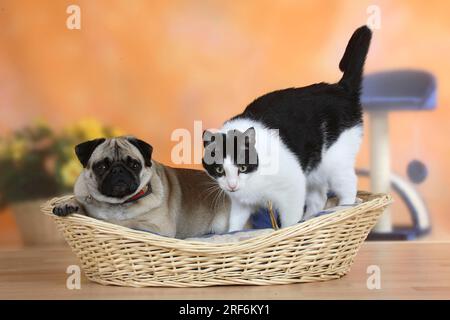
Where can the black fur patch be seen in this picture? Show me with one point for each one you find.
(313, 117)
(144, 148)
(117, 178)
(307, 118)
(84, 150)
(239, 146)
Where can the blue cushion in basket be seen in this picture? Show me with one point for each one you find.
(261, 219)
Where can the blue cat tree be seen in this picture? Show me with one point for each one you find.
(385, 92)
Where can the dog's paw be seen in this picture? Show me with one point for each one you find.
(64, 209)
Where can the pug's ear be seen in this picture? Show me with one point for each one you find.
(208, 137)
(84, 150)
(144, 148)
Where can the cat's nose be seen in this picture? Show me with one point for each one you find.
(232, 185)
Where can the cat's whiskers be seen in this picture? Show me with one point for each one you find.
(212, 190)
(216, 198)
(205, 194)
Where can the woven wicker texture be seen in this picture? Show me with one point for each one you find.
(322, 248)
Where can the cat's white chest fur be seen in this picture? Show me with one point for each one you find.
(281, 180)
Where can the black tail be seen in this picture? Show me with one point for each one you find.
(352, 63)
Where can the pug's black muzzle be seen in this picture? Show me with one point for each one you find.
(119, 182)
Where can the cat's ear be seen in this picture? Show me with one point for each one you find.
(250, 136)
(84, 150)
(208, 137)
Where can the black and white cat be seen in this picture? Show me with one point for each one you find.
(313, 151)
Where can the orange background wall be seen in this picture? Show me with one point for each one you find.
(150, 67)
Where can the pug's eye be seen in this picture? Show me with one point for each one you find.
(101, 166)
(219, 170)
(135, 165)
(242, 168)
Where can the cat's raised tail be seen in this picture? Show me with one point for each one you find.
(352, 63)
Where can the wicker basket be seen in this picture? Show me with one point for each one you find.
(319, 249)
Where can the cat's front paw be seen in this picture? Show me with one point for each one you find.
(66, 208)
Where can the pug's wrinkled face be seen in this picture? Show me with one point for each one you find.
(117, 168)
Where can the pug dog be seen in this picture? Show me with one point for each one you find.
(121, 184)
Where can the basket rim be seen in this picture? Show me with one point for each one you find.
(376, 202)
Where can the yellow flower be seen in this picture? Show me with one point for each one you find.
(3, 148)
(17, 149)
(116, 132)
(40, 123)
(70, 172)
(87, 129)
(68, 151)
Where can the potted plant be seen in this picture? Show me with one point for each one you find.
(36, 164)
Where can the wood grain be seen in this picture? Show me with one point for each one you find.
(409, 270)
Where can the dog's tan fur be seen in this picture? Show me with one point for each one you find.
(182, 203)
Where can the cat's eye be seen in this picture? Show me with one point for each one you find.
(242, 168)
(219, 170)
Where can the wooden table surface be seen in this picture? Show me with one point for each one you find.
(409, 270)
